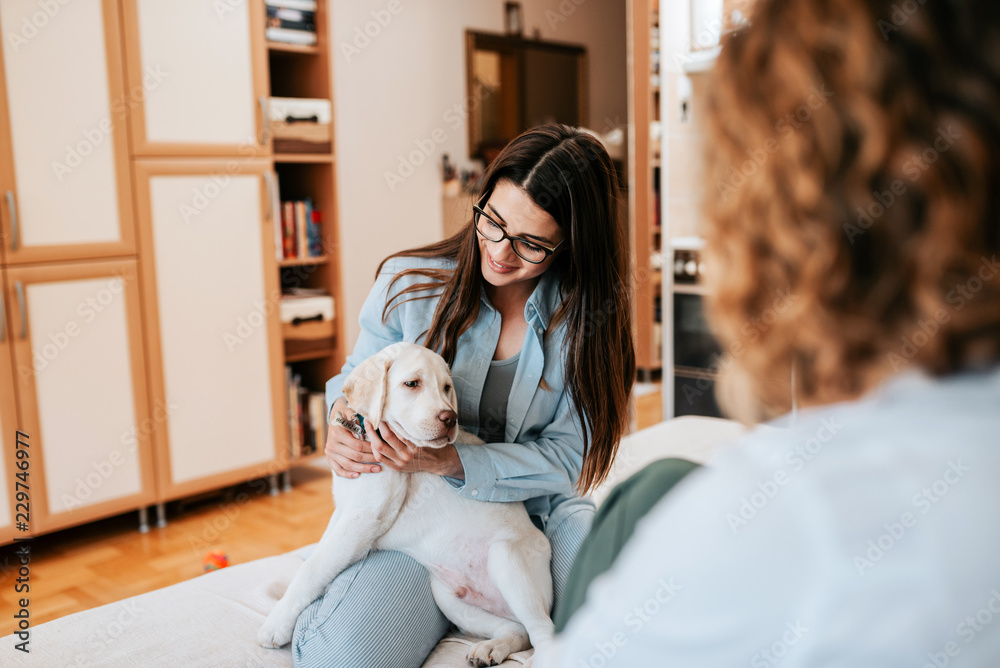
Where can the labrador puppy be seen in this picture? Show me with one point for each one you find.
(488, 564)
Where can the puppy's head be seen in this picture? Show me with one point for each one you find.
(408, 387)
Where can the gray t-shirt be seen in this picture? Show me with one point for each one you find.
(493, 403)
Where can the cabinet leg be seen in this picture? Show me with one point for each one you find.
(161, 515)
(144, 520)
(273, 481)
(286, 481)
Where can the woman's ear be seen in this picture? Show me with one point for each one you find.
(366, 387)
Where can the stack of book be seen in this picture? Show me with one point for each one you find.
(300, 230)
(306, 417)
(291, 21)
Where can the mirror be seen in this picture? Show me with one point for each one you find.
(515, 84)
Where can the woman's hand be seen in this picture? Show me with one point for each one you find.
(348, 456)
(401, 455)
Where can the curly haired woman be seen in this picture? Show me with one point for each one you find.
(875, 544)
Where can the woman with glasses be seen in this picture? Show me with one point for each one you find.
(530, 305)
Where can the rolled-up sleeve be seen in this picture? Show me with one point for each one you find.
(545, 466)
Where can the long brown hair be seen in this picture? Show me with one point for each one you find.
(568, 174)
(853, 153)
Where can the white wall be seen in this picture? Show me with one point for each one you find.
(399, 85)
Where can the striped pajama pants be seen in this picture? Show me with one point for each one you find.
(380, 612)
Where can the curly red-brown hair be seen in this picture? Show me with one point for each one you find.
(852, 158)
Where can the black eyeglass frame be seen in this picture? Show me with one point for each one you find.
(478, 211)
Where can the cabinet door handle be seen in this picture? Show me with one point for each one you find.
(3, 320)
(21, 309)
(269, 186)
(15, 232)
(265, 120)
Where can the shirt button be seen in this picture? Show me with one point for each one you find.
(474, 492)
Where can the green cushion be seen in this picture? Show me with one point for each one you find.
(613, 525)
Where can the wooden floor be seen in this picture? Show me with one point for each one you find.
(107, 561)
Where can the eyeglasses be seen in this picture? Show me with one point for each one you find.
(529, 251)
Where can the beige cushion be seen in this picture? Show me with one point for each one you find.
(212, 620)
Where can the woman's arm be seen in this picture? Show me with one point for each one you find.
(497, 471)
(548, 465)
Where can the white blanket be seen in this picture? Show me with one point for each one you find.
(212, 620)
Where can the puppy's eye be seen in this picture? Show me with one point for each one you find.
(411, 383)
(447, 388)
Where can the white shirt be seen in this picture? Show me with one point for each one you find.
(866, 534)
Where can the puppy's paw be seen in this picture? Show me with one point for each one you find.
(275, 632)
(490, 652)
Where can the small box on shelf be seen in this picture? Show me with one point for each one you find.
(307, 316)
(300, 125)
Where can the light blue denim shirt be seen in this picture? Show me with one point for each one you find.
(542, 458)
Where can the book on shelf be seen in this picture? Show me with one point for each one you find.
(306, 417)
(301, 237)
(291, 22)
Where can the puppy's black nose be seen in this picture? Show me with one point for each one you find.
(448, 417)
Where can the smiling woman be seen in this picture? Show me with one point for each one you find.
(530, 305)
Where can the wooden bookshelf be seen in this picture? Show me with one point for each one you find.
(300, 71)
(643, 172)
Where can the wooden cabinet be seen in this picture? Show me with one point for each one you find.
(140, 344)
(80, 382)
(64, 173)
(299, 71)
(197, 77)
(211, 296)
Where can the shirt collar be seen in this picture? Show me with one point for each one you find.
(543, 302)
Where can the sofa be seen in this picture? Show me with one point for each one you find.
(212, 620)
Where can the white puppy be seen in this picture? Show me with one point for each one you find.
(488, 564)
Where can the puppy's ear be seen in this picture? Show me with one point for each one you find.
(366, 387)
